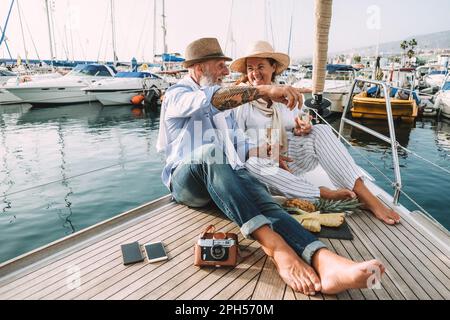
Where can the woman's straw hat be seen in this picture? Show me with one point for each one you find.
(202, 50)
(262, 49)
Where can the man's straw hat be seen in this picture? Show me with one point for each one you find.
(262, 49)
(202, 50)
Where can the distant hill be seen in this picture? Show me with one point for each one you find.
(427, 41)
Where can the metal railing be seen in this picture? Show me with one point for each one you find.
(397, 185)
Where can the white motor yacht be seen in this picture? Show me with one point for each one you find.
(435, 78)
(5, 96)
(442, 99)
(10, 79)
(63, 90)
(124, 86)
(339, 80)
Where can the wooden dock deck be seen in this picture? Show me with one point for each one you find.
(88, 265)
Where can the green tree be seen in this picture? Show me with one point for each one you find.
(404, 45)
(357, 59)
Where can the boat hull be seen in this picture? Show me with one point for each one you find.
(444, 103)
(115, 98)
(52, 96)
(375, 108)
(8, 98)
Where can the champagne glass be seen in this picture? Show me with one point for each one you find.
(304, 116)
(270, 140)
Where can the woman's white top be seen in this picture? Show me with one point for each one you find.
(254, 122)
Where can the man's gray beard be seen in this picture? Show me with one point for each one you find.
(207, 80)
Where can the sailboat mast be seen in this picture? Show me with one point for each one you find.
(290, 29)
(52, 56)
(164, 25)
(154, 29)
(113, 28)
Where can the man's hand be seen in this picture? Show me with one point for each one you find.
(287, 95)
(302, 128)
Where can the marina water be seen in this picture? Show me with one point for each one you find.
(67, 168)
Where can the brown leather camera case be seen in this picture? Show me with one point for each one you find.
(210, 233)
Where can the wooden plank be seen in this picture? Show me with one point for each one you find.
(195, 285)
(246, 292)
(430, 272)
(218, 285)
(96, 254)
(206, 288)
(242, 287)
(36, 256)
(426, 237)
(390, 278)
(435, 257)
(413, 228)
(392, 262)
(428, 225)
(289, 293)
(415, 267)
(174, 284)
(121, 277)
(59, 264)
(270, 286)
(94, 272)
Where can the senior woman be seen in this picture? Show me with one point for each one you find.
(306, 145)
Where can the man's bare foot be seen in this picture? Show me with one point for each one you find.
(338, 274)
(340, 194)
(296, 273)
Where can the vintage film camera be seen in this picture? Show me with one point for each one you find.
(216, 249)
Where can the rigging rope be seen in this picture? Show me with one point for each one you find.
(68, 178)
(23, 33)
(31, 36)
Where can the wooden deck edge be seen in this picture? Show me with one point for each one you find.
(48, 250)
(431, 222)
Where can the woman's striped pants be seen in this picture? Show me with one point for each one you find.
(322, 147)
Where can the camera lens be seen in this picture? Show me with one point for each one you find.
(217, 252)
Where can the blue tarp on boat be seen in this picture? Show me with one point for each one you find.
(135, 75)
(171, 58)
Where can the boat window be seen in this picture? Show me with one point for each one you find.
(438, 72)
(91, 70)
(6, 73)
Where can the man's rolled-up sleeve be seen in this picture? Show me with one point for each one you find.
(183, 102)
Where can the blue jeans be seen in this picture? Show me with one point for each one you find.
(240, 196)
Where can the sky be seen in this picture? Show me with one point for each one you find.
(83, 27)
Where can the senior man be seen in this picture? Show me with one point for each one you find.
(205, 155)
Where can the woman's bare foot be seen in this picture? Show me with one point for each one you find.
(340, 194)
(338, 274)
(296, 273)
(373, 204)
(385, 214)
